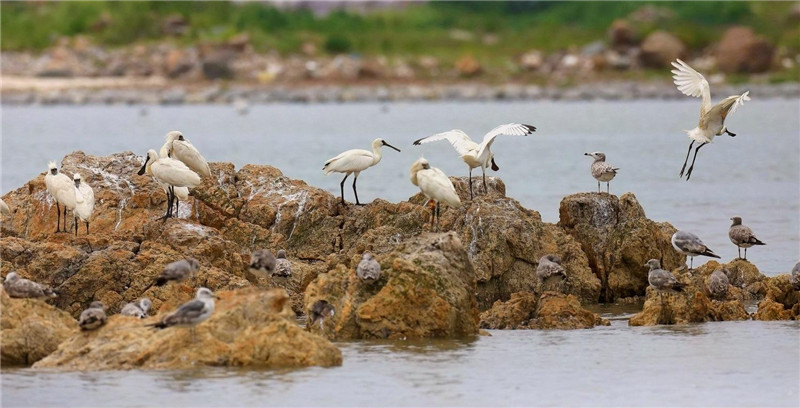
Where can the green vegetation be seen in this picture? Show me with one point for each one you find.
(445, 29)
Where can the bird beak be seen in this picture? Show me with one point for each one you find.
(387, 144)
(587, 154)
(144, 166)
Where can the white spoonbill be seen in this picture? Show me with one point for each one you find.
(63, 191)
(474, 154)
(84, 202)
(179, 148)
(181, 193)
(712, 118)
(171, 172)
(355, 161)
(435, 185)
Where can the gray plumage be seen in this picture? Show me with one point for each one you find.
(319, 311)
(17, 287)
(262, 261)
(178, 271)
(190, 313)
(718, 284)
(796, 276)
(283, 267)
(93, 317)
(742, 236)
(690, 245)
(136, 309)
(549, 266)
(601, 170)
(368, 269)
(661, 279)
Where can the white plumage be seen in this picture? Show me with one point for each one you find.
(435, 185)
(474, 154)
(170, 172)
(712, 118)
(84, 202)
(4, 209)
(181, 193)
(179, 148)
(355, 161)
(62, 189)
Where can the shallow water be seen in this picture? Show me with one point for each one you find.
(754, 175)
(712, 364)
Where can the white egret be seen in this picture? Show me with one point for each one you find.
(712, 118)
(601, 170)
(170, 172)
(474, 154)
(179, 148)
(355, 161)
(84, 202)
(435, 185)
(62, 189)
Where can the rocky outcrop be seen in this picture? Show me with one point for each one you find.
(426, 290)
(32, 329)
(550, 311)
(618, 240)
(740, 50)
(669, 307)
(249, 328)
(660, 48)
(781, 302)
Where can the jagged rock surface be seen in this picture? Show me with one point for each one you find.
(552, 310)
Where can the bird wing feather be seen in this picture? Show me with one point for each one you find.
(435, 184)
(175, 173)
(691, 83)
(349, 161)
(509, 129)
(186, 313)
(187, 153)
(460, 141)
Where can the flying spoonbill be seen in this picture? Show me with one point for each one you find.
(63, 191)
(355, 161)
(690, 245)
(601, 170)
(712, 118)
(742, 236)
(435, 185)
(84, 202)
(474, 154)
(179, 148)
(170, 172)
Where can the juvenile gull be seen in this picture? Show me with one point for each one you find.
(690, 245)
(170, 172)
(93, 317)
(796, 276)
(550, 273)
(712, 118)
(718, 284)
(474, 154)
(661, 279)
(137, 309)
(190, 313)
(262, 261)
(283, 267)
(178, 271)
(4, 209)
(368, 269)
(84, 202)
(355, 161)
(435, 185)
(62, 189)
(319, 311)
(742, 237)
(17, 287)
(601, 170)
(179, 148)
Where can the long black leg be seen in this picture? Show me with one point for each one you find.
(169, 204)
(686, 159)
(341, 186)
(485, 189)
(739, 251)
(87, 227)
(731, 134)
(65, 219)
(75, 220)
(689, 172)
(438, 216)
(470, 183)
(58, 214)
(354, 189)
(745, 254)
(433, 215)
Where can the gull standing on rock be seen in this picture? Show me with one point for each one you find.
(355, 161)
(179, 148)
(368, 269)
(435, 185)
(661, 279)
(170, 172)
(178, 271)
(796, 276)
(474, 154)
(283, 267)
(17, 287)
(93, 317)
(190, 313)
(84, 202)
(62, 189)
(262, 261)
(712, 118)
(742, 236)
(601, 170)
(690, 245)
(319, 312)
(137, 309)
(718, 284)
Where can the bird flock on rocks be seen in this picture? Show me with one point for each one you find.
(178, 167)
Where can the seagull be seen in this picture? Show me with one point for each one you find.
(170, 172)
(368, 269)
(549, 266)
(84, 202)
(178, 271)
(742, 237)
(262, 261)
(283, 267)
(190, 313)
(435, 185)
(474, 154)
(179, 148)
(712, 118)
(4, 209)
(17, 287)
(61, 188)
(718, 284)
(355, 161)
(796, 276)
(601, 170)
(661, 279)
(690, 245)
(319, 311)
(137, 309)
(93, 317)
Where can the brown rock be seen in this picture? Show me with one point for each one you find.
(216, 64)
(468, 66)
(689, 306)
(249, 328)
(740, 50)
(512, 314)
(782, 302)
(660, 48)
(177, 63)
(621, 35)
(551, 311)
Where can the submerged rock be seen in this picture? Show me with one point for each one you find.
(550, 311)
(250, 328)
(689, 306)
(782, 301)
